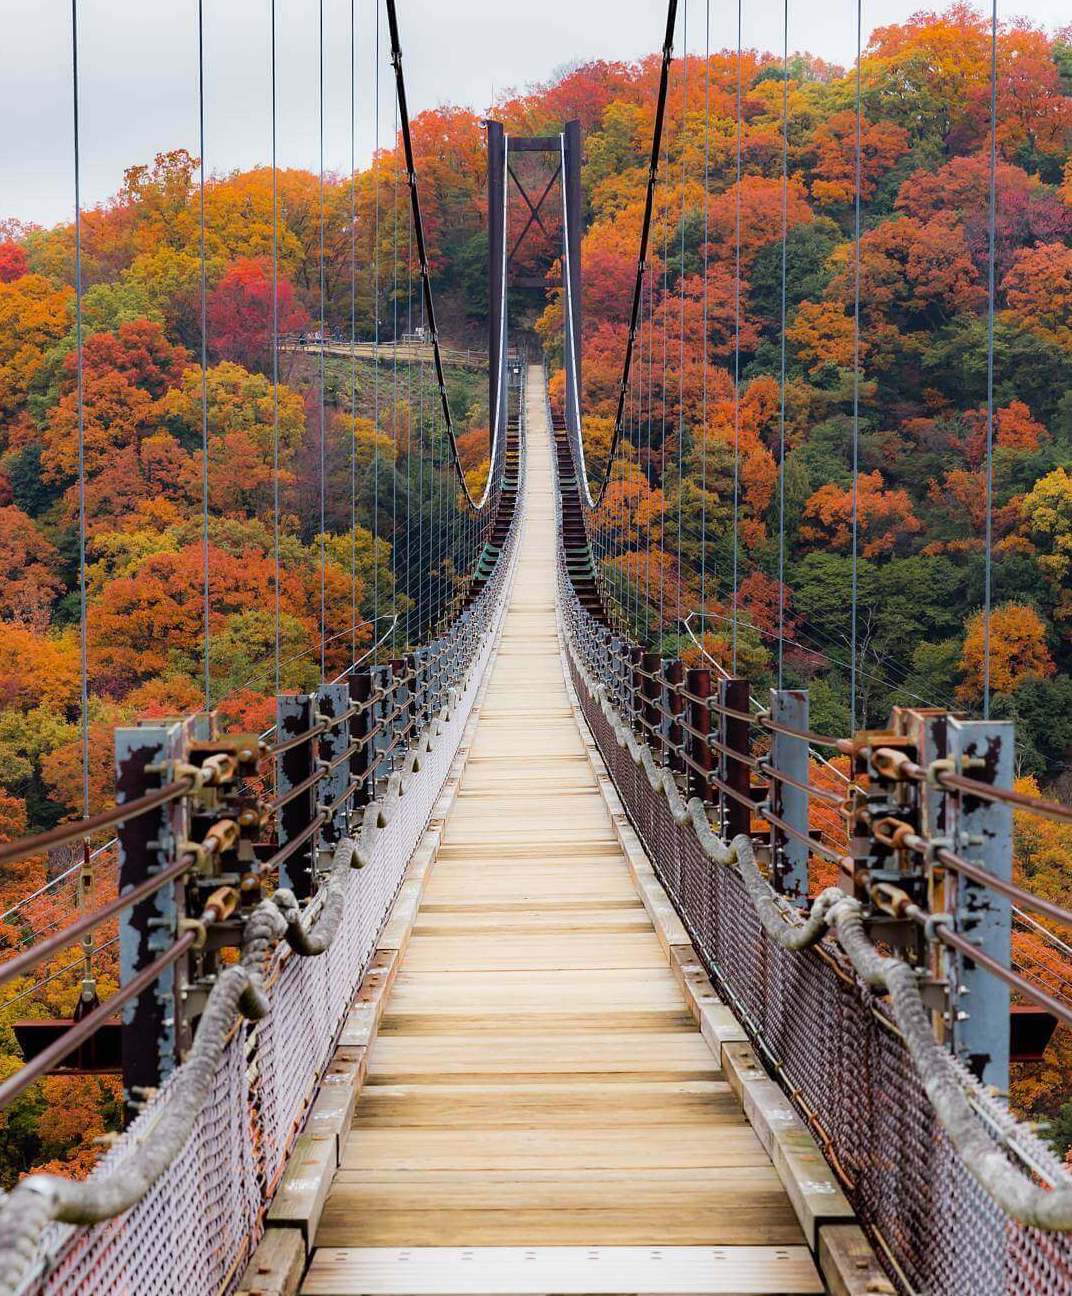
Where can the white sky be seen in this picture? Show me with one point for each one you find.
(138, 71)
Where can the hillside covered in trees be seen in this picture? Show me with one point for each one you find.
(921, 392)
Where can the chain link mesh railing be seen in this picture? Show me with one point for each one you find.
(834, 1046)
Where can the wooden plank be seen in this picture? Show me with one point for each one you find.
(717, 1023)
(332, 1109)
(849, 1264)
(436, 1057)
(475, 1017)
(363, 1020)
(609, 1145)
(398, 928)
(532, 920)
(563, 1105)
(518, 992)
(277, 1265)
(811, 1184)
(300, 1199)
(727, 1206)
(569, 1271)
(575, 950)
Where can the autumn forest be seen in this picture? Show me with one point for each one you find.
(715, 371)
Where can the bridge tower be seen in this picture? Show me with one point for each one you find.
(503, 271)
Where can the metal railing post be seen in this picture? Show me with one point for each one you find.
(698, 683)
(674, 674)
(382, 703)
(788, 800)
(154, 1029)
(650, 688)
(733, 694)
(296, 793)
(636, 689)
(982, 834)
(332, 703)
(360, 729)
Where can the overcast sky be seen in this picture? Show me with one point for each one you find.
(138, 72)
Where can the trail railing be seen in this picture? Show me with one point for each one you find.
(253, 880)
(881, 1002)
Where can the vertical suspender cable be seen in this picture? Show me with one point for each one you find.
(323, 523)
(858, 177)
(85, 881)
(639, 424)
(650, 420)
(206, 592)
(781, 371)
(424, 562)
(737, 355)
(681, 282)
(275, 367)
(80, 397)
(353, 338)
(988, 573)
(394, 363)
(376, 336)
(706, 239)
(407, 504)
(664, 302)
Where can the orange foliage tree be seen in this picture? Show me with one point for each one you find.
(1018, 651)
(885, 519)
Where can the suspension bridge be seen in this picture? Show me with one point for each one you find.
(500, 962)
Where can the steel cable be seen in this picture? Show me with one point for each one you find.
(490, 486)
(681, 281)
(321, 411)
(991, 222)
(855, 519)
(276, 553)
(737, 350)
(353, 331)
(706, 341)
(591, 501)
(202, 257)
(782, 341)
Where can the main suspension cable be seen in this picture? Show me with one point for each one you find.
(278, 565)
(591, 501)
(488, 492)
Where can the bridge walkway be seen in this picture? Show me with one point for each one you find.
(540, 1112)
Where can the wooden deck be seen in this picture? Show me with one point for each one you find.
(541, 1113)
